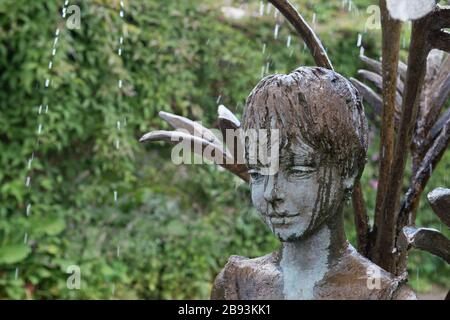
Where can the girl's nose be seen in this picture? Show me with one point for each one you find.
(272, 189)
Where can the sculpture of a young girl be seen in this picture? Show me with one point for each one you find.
(323, 145)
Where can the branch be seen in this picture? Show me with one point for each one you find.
(439, 93)
(361, 218)
(420, 179)
(439, 200)
(387, 231)
(441, 18)
(434, 95)
(391, 30)
(439, 125)
(440, 40)
(429, 240)
(305, 31)
(435, 131)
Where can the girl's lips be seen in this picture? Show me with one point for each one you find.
(282, 220)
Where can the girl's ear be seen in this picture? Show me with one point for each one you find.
(348, 184)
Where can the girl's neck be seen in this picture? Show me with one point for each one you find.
(305, 262)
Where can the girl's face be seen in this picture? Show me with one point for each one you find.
(300, 196)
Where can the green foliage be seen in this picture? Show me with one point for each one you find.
(173, 228)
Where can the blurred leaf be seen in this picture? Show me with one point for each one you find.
(11, 254)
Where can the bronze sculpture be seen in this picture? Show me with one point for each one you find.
(322, 153)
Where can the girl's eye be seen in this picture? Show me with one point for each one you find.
(254, 174)
(301, 170)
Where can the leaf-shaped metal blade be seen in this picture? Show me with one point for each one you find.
(194, 128)
(199, 144)
(369, 95)
(228, 118)
(439, 200)
(426, 239)
(230, 127)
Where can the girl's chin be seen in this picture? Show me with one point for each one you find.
(288, 233)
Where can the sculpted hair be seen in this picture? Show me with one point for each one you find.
(317, 106)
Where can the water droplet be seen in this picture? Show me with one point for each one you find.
(358, 43)
(28, 211)
(115, 196)
(47, 83)
(50, 65)
(120, 51)
(361, 51)
(121, 13)
(28, 181)
(117, 144)
(57, 32)
(118, 125)
(218, 99)
(288, 42)
(120, 83)
(55, 42)
(39, 128)
(275, 31)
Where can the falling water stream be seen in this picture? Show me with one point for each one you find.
(41, 111)
(119, 123)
